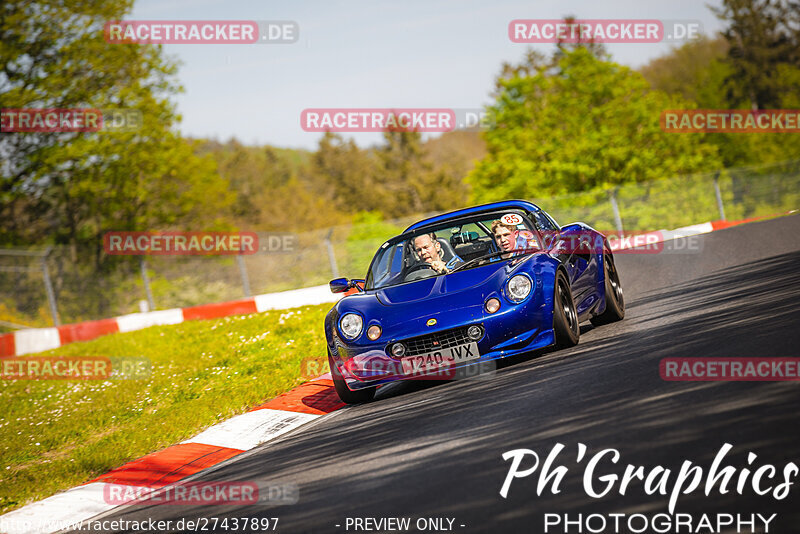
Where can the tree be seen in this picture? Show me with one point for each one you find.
(403, 171)
(82, 184)
(344, 174)
(70, 188)
(764, 56)
(696, 71)
(453, 155)
(753, 64)
(585, 124)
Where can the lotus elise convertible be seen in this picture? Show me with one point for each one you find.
(465, 288)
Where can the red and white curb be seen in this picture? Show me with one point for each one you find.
(40, 339)
(67, 510)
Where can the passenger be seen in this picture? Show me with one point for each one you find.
(508, 237)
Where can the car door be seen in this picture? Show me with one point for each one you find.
(570, 247)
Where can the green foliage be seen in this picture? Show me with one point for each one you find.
(568, 128)
(582, 124)
(764, 52)
(88, 183)
(275, 188)
(345, 173)
(754, 64)
(696, 71)
(397, 178)
(71, 188)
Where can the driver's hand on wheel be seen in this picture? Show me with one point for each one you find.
(439, 266)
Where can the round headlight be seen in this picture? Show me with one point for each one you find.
(351, 325)
(519, 287)
(398, 349)
(374, 332)
(492, 305)
(474, 332)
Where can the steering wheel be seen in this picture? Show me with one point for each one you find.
(416, 272)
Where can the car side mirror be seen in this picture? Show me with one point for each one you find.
(339, 285)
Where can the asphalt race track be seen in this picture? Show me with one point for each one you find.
(426, 450)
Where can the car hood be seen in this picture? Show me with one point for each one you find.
(443, 286)
(450, 301)
(431, 295)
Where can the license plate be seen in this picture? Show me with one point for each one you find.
(440, 358)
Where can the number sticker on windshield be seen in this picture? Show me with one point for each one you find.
(511, 219)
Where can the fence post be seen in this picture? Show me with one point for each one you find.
(48, 285)
(612, 195)
(243, 274)
(720, 207)
(331, 255)
(146, 280)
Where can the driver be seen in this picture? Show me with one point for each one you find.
(429, 250)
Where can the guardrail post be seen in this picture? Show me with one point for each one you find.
(331, 255)
(612, 196)
(48, 285)
(243, 274)
(720, 206)
(146, 281)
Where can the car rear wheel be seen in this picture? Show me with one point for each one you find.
(615, 301)
(565, 316)
(346, 394)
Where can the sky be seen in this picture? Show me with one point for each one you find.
(368, 54)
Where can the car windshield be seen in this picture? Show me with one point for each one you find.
(458, 244)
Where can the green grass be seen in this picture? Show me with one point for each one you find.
(55, 434)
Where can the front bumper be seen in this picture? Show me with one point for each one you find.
(514, 329)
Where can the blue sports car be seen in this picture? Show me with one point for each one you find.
(465, 288)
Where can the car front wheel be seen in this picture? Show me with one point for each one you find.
(346, 394)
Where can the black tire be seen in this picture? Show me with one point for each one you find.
(615, 300)
(565, 315)
(346, 394)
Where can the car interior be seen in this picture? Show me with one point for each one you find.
(470, 245)
(466, 245)
(468, 241)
